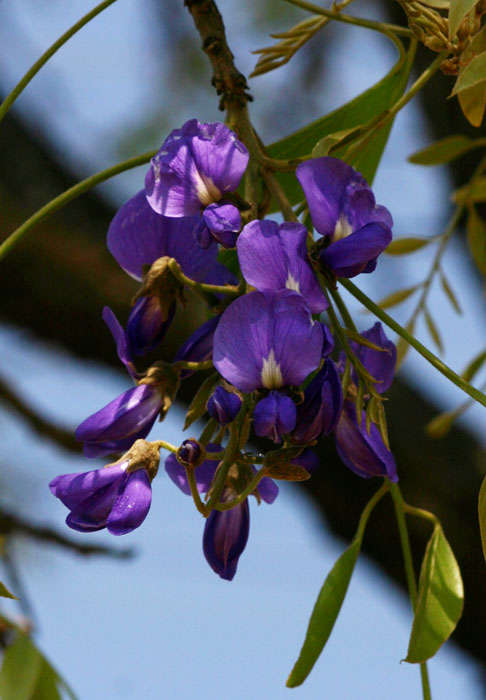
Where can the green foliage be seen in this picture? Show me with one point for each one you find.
(458, 10)
(474, 366)
(197, 407)
(476, 238)
(5, 593)
(450, 293)
(27, 675)
(440, 599)
(325, 613)
(433, 330)
(403, 246)
(356, 113)
(439, 426)
(473, 74)
(397, 297)
(482, 514)
(445, 150)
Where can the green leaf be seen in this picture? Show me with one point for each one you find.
(197, 407)
(482, 514)
(476, 238)
(473, 104)
(326, 144)
(397, 297)
(358, 111)
(325, 613)
(46, 688)
(440, 600)
(5, 593)
(434, 331)
(20, 670)
(473, 74)
(449, 293)
(474, 366)
(229, 258)
(445, 150)
(403, 246)
(458, 10)
(439, 426)
(438, 4)
(474, 191)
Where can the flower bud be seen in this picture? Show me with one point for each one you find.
(223, 406)
(225, 537)
(190, 453)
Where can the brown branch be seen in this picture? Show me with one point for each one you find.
(13, 525)
(63, 438)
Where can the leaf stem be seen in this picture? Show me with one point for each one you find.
(35, 68)
(163, 445)
(229, 289)
(425, 352)
(399, 506)
(67, 196)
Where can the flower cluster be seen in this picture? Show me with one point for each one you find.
(278, 374)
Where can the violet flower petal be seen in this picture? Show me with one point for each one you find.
(274, 416)
(322, 405)
(225, 537)
(347, 257)
(121, 340)
(267, 340)
(223, 405)
(138, 236)
(72, 489)
(267, 489)
(381, 365)
(92, 513)
(131, 505)
(362, 452)
(224, 222)
(145, 327)
(274, 258)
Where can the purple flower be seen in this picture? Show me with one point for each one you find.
(274, 416)
(121, 341)
(223, 405)
(115, 427)
(323, 401)
(362, 452)
(343, 208)
(267, 340)
(146, 326)
(380, 364)
(307, 459)
(199, 346)
(225, 537)
(328, 344)
(274, 258)
(195, 167)
(114, 497)
(204, 472)
(137, 237)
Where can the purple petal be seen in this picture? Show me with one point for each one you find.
(223, 405)
(328, 344)
(225, 537)
(308, 459)
(146, 327)
(268, 489)
(72, 489)
(138, 236)
(349, 256)
(324, 181)
(131, 505)
(92, 513)
(204, 473)
(362, 452)
(267, 340)
(274, 416)
(196, 165)
(121, 340)
(224, 222)
(274, 258)
(322, 405)
(381, 365)
(128, 417)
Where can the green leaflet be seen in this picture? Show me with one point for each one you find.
(403, 246)
(20, 670)
(476, 238)
(325, 613)
(5, 593)
(197, 407)
(473, 74)
(445, 150)
(358, 111)
(397, 297)
(458, 10)
(440, 600)
(474, 366)
(482, 514)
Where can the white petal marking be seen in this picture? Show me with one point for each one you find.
(271, 373)
(292, 283)
(342, 229)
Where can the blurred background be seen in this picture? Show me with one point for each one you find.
(155, 621)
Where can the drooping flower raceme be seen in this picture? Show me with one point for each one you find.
(191, 174)
(274, 257)
(117, 496)
(343, 209)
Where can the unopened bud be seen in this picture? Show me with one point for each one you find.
(223, 406)
(190, 453)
